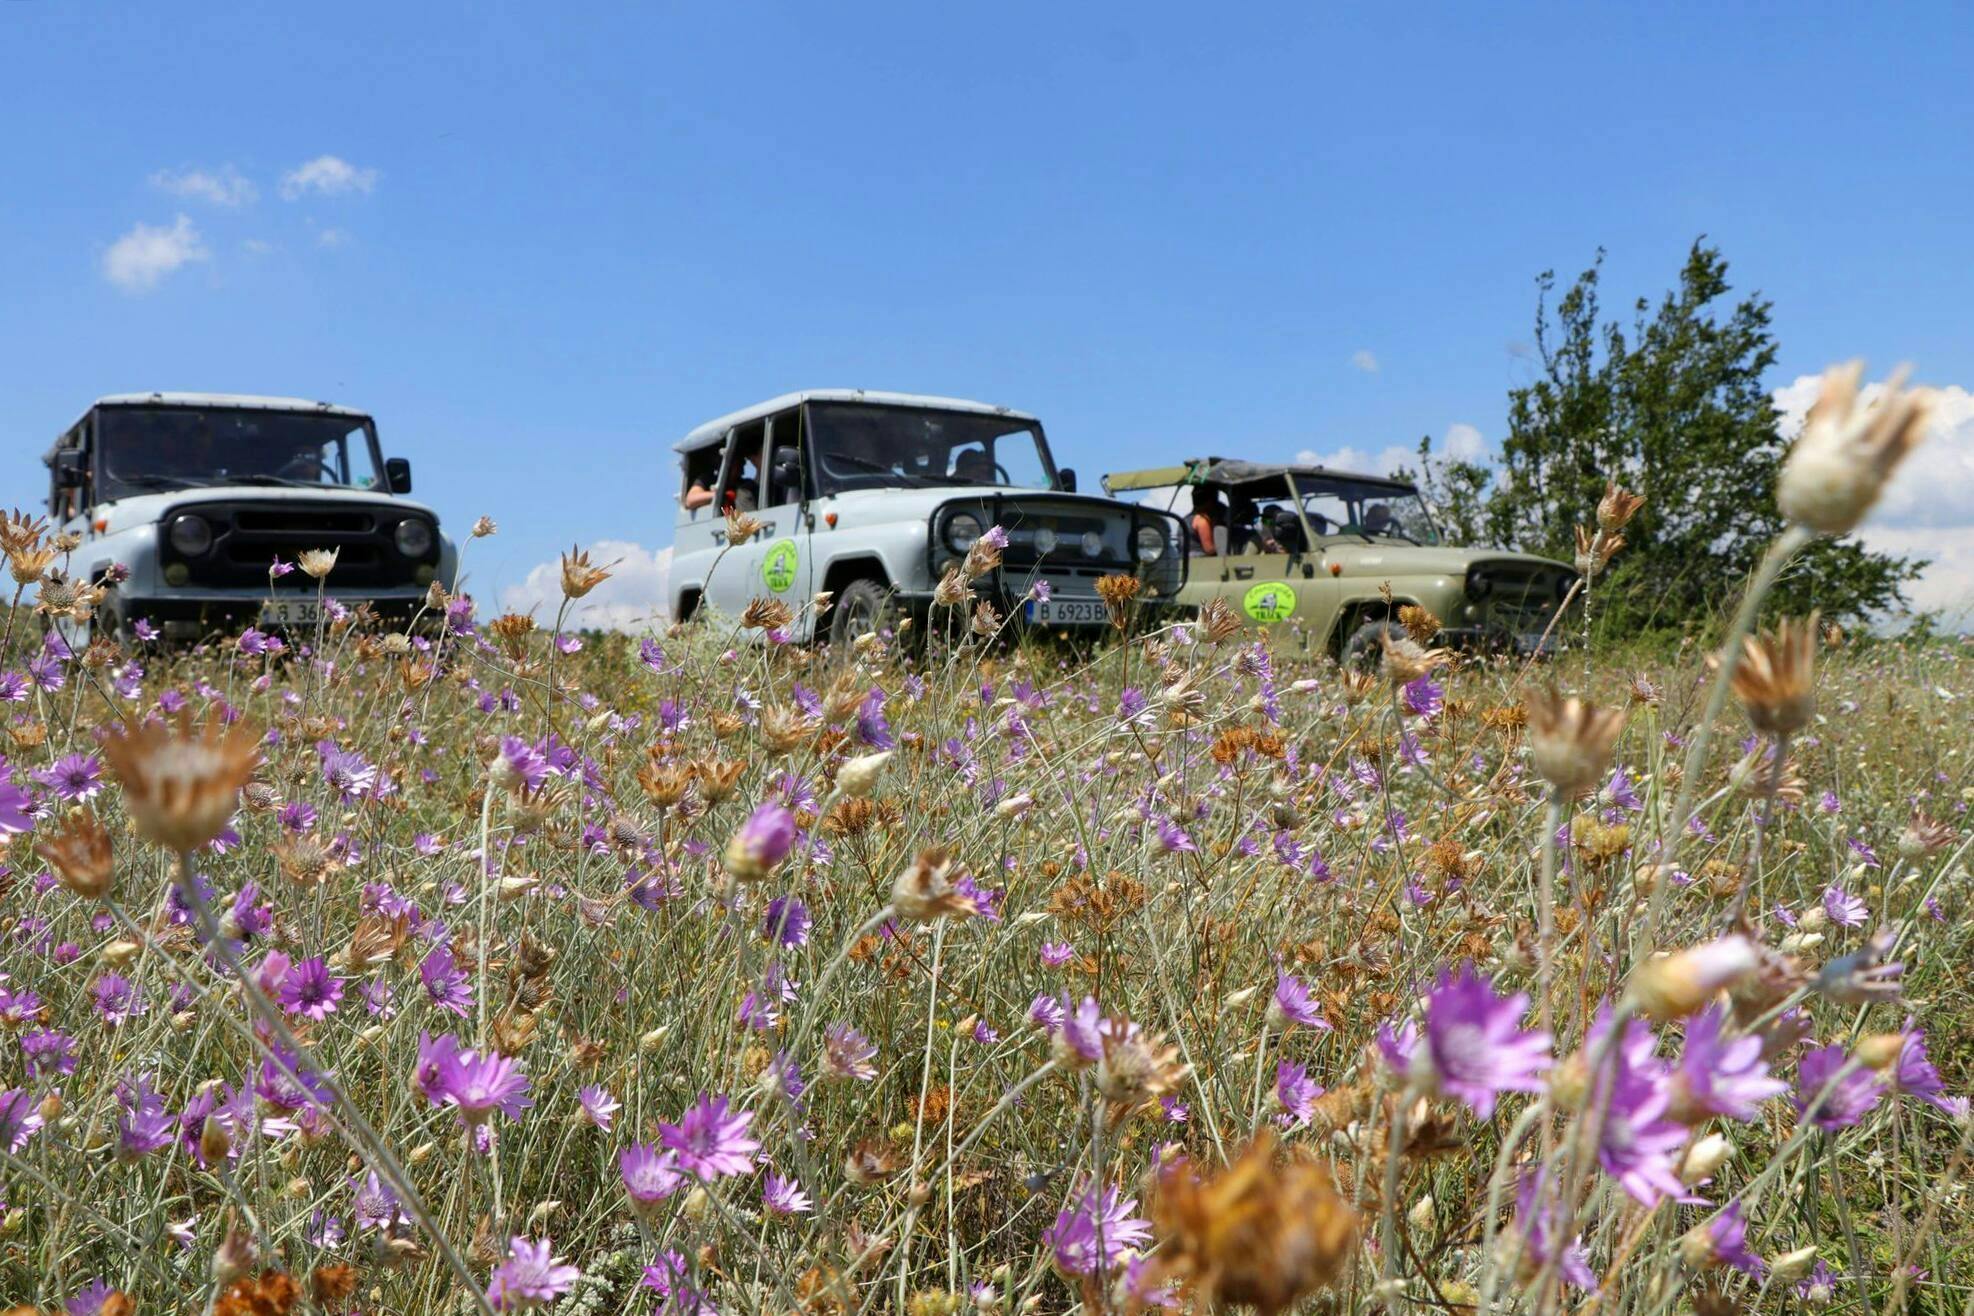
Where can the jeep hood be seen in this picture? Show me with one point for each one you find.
(1393, 558)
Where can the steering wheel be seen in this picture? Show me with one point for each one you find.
(293, 468)
(1001, 472)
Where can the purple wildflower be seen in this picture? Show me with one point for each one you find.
(1844, 909)
(762, 842)
(1093, 1234)
(1841, 1099)
(1915, 1076)
(784, 1196)
(1473, 1046)
(478, 1085)
(599, 1107)
(530, 1277)
(1293, 1005)
(650, 1174)
(711, 1141)
(310, 990)
(1717, 1077)
(74, 777)
(1296, 1091)
(449, 986)
(20, 1119)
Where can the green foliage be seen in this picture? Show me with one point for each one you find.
(1675, 408)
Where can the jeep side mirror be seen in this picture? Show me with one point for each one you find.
(397, 473)
(785, 476)
(1066, 477)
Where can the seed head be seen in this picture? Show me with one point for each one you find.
(858, 777)
(182, 786)
(932, 886)
(19, 530)
(78, 851)
(741, 527)
(1118, 593)
(484, 527)
(1616, 507)
(951, 591)
(28, 564)
(318, 562)
(1776, 678)
(1217, 622)
(1571, 740)
(1405, 660)
(766, 615)
(1594, 551)
(579, 574)
(1258, 1233)
(1843, 457)
(1673, 986)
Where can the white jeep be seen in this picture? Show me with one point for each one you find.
(191, 498)
(871, 496)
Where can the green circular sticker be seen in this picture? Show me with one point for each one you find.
(778, 567)
(1272, 601)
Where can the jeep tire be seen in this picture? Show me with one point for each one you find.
(863, 606)
(1364, 650)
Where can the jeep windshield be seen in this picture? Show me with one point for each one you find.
(860, 446)
(153, 449)
(1366, 509)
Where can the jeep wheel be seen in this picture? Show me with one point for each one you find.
(863, 606)
(1364, 650)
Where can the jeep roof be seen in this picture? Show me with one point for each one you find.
(1235, 474)
(232, 401)
(704, 436)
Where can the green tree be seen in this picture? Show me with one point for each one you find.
(1676, 408)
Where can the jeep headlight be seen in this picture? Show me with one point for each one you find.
(1093, 543)
(962, 528)
(1150, 543)
(190, 535)
(413, 537)
(1045, 541)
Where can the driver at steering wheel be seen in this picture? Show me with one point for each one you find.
(973, 466)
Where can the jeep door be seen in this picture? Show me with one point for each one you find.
(764, 458)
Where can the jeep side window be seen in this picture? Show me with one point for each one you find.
(702, 475)
(784, 459)
(740, 476)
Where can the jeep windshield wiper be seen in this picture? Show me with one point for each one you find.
(917, 481)
(158, 480)
(282, 480)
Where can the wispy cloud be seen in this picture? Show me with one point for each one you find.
(1365, 359)
(141, 258)
(224, 186)
(333, 237)
(326, 175)
(635, 598)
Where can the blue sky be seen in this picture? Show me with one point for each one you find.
(542, 243)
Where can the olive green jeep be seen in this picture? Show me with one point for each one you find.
(1312, 550)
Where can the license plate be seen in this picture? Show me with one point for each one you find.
(1050, 612)
(1530, 641)
(290, 613)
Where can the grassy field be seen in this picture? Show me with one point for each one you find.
(701, 972)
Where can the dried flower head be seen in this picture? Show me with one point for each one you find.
(27, 565)
(182, 786)
(20, 530)
(986, 622)
(1405, 660)
(1217, 621)
(318, 562)
(1843, 457)
(1594, 551)
(1118, 593)
(1420, 624)
(951, 591)
(1258, 1233)
(1617, 507)
(932, 886)
(741, 527)
(1924, 835)
(1776, 677)
(78, 852)
(1675, 985)
(1571, 740)
(766, 615)
(579, 574)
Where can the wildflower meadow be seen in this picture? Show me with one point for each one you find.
(489, 965)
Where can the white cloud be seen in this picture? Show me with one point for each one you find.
(138, 260)
(257, 247)
(1361, 461)
(1364, 359)
(333, 237)
(633, 599)
(1462, 443)
(220, 187)
(326, 175)
(1928, 508)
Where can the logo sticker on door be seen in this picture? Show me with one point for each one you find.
(778, 567)
(1272, 601)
